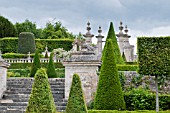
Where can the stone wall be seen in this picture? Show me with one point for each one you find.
(89, 78)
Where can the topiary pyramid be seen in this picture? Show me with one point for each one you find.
(76, 102)
(111, 35)
(51, 68)
(124, 57)
(41, 99)
(109, 94)
(36, 64)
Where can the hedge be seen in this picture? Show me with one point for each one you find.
(26, 43)
(18, 55)
(10, 45)
(25, 72)
(28, 65)
(114, 111)
(127, 67)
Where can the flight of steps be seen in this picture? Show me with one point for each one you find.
(16, 96)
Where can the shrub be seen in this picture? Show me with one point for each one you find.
(127, 67)
(114, 111)
(7, 29)
(10, 45)
(111, 35)
(109, 93)
(26, 43)
(76, 102)
(41, 99)
(51, 68)
(124, 57)
(36, 65)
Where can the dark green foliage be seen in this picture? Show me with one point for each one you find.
(36, 65)
(46, 54)
(140, 99)
(109, 92)
(18, 55)
(41, 99)
(124, 57)
(76, 102)
(51, 68)
(154, 55)
(28, 65)
(7, 29)
(127, 67)
(10, 45)
(115, 111)
(26, 43)
(111, 35)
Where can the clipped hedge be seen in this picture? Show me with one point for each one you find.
(28, 65)
(26, 43)
(10, 45)
(114, 111)
(18, 55)
(127, 67)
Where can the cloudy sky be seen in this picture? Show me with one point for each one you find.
(143, 17)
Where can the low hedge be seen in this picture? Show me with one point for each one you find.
(10, 45)
(18, 55)
(28, 65)
(26, 72)
(127, 67)
(114, 111)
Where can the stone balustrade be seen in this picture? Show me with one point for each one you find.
(30, 60)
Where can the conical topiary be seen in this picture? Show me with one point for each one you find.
(109, 94)
(36, 64)
(51, 68)
(124, 57)
(76, 102)
(111, 35)
(41, 99)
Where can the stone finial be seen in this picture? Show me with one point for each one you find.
(121, 27)
(88, 28)
(46, 48)
(126, 29)
(99, 31)
(29, 55)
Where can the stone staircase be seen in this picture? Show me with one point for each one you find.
(15, 98)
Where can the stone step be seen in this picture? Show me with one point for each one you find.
(29, 83)
(21, 90)
(30, 86)
(32, 79)
(29, 92)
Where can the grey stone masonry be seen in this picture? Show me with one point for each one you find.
(15, 98)
(3, 75)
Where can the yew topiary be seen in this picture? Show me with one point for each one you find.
(124, 57)
(111, 35)
(26, 43)
(76, 102)
(41, 99)
(51, 68)
(109, 94)
(36, 64)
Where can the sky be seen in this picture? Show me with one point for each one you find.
(143, 17)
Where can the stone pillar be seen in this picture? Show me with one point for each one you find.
(99, 44)
(3, 76)
(87, 72)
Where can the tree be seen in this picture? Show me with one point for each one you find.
(41, 99)
(28, 26)
(124, 57)
(7, 29)
(26, 43)
(51, 68)
(76, 102)
(36, 65)
(154, 59)
(111, 35)
(109, 94)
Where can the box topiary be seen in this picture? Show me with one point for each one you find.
(76, 102)
(109, 94)
(26, 43)
(41, 99)
(51, 68)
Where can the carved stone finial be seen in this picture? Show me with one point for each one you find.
(126, 30)
(88, 27)
(46, 48)
(100, 31)
(121, 27)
